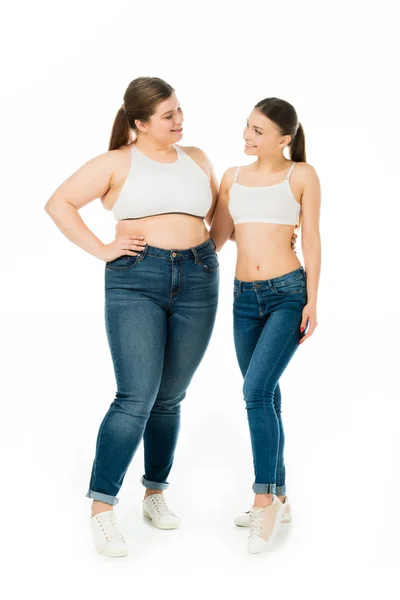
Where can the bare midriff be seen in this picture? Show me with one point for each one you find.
(168, 231)
(264, 251)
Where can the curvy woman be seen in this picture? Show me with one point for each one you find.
(161, 291)
(275, 298)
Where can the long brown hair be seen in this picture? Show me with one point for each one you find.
(284, 115)
(140, 100)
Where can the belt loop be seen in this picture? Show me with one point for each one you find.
(215, 247)
(196, 256)
(143, 252)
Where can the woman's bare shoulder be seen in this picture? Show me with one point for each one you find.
(192, 150)
(198, 155)
(229, 176)
(305, 171)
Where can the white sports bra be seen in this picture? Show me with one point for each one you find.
(266, 204)
(154, 188)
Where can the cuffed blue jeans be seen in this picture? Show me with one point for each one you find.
(267, 317)
(160, 308)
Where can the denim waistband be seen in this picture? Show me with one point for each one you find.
(260, 283)
(179, 254)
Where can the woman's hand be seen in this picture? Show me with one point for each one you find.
(293, 242)
(122, 245)
(309, 316)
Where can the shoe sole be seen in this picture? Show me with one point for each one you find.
(161, 526)
(112, 555)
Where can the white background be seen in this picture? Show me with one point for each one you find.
(65, 68)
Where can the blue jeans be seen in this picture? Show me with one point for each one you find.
(160, 308)
(267, 317)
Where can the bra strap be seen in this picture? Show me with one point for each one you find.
(290, 170)
(236, 174)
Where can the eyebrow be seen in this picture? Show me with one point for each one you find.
(168, 111)
(256, 126)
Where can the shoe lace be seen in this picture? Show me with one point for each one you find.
(110, 527)
(256, 516)
(161, 504)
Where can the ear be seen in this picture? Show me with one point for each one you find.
(285, 141)
(141, 125)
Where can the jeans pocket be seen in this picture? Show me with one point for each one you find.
(123, 262)
(290, 288)
(294, 284)
(209, 261)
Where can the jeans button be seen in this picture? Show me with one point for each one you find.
(174, 254)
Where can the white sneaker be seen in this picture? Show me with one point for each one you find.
(245, 521)
(107, 537)
(156, 509)
(265, 523)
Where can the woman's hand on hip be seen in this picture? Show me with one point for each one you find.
(293, 242)
(122, 245)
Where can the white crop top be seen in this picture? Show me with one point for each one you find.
(154, 188)
(267, 204)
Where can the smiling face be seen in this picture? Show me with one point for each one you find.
(262, 136)
(165, 126)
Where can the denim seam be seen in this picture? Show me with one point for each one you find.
(124, 268)
(259, 305)
(270, 477)
(208, 268)
(182, 258)
(171, 293)
(286, 291)
(102, 427)
(113, 354)
(276, 360)
(180, 278)
(98, 450)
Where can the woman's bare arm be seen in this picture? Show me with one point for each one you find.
(214, 189)
(222, 226)
(89, 182)
(310, 236)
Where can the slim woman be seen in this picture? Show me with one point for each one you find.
(275, 298)
(161, 291)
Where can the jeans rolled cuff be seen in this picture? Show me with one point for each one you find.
(102, 497)
(153, 485)
(264, 488)
(281, 490)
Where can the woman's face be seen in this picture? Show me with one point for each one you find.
(165, 125)
(262, 136)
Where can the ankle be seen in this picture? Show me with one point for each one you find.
(151, 492)
(99, 507)
(262, 500)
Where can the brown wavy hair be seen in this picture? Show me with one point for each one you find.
(140, 101)
(284, 115)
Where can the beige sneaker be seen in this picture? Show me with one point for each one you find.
(244, 520)
(265, 524)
